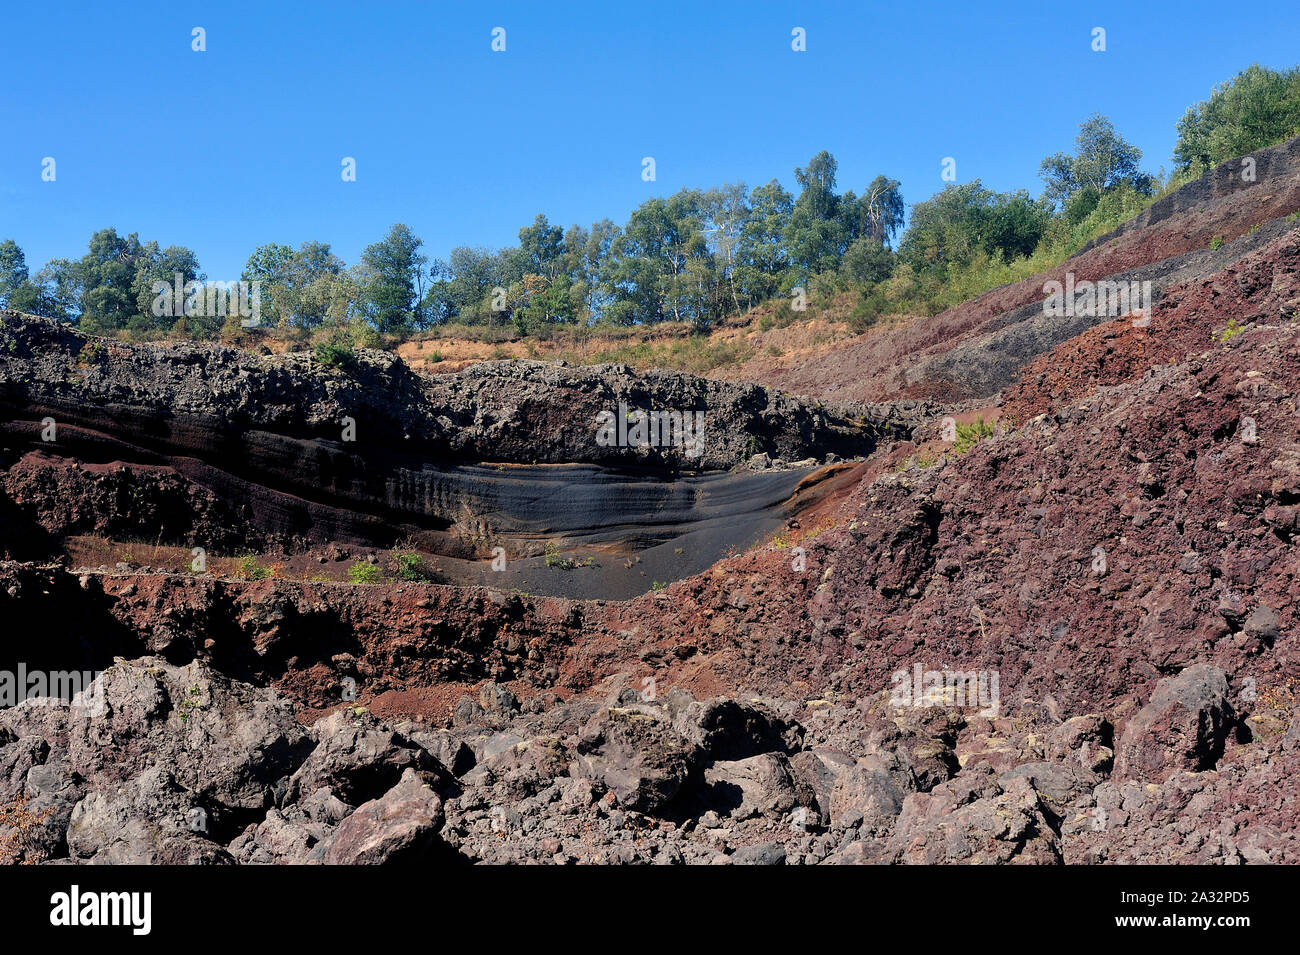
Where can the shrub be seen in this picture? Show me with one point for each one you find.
(408, 565)
(1234, 328)
(90, 353)
(335, 352)
(250, 568)
(969, 435)
(364, 572)
(363, 335)
(20, 825)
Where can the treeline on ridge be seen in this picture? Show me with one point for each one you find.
(697, 256)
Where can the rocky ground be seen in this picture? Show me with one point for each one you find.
(1107, 579)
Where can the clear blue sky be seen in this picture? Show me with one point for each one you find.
(224, 150)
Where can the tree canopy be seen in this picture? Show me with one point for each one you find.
(696, 256)
(1258, 107)
(1102, 160)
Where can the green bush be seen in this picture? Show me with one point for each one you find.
(364, 572)
(1233, 329)
(969, 435)
(249, 567)
(335, 353)
(408, 565)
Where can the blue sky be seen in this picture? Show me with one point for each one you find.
(242, 144)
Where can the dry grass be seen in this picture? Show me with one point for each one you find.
(18, 826)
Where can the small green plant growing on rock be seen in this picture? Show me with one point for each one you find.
(1234, 328)
(969, 435)
(249, 567)
(189, 703)
(1216, 243)
(553, 557)
(335, 354)
(364, 572)
(89, 353)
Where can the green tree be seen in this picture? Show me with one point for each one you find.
(596, 262)
(726, 213)
(461, 289)
(762, 259)
(106, 276)
(950, 228)
(542, 245)
(58, 288)
(390, 276)
(154, 266)
(299, 288)
(1256, 108)
(816, 235)
(13, 273)
(867, 260)
(649, 268)
(271, 266)
(581, 278)
(1102, 160)
(879, 213)
(320, 290)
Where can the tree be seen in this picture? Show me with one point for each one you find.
(870, 223)
(581, 278)
(763, 260)
(297, 288)
(951, 227)
(156, 265)
(1102, 160)
(816, 236)
(321, 290)
(390, 277)
(58, 290)
(271, 266)
(867, 260)
(106, 275)
(880, 210)
(726, 213)
(1256, 108)
(596, 264)
(648, 271)
(542, 245)
(13, 273)
(462, 285)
